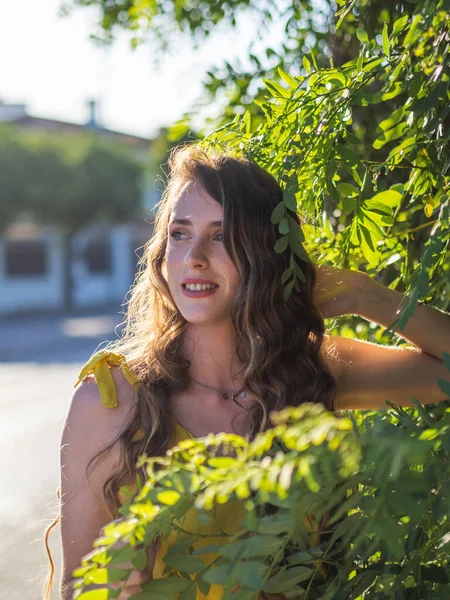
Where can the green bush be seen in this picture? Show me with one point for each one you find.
(382, 481)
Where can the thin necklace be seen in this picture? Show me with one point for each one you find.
(224, 395)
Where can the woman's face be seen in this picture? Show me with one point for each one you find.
(196, 250)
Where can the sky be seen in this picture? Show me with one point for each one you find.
(50, 64)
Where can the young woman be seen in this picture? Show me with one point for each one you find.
(212, 346)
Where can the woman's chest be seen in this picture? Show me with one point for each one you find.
(201, 415)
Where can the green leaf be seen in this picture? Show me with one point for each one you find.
(169, 497)
(373, 228)
(348, 205)
(166, 585)
(389, 198)
(362, 584)
(177, 131)
(446, 359)
(429, 434)
(276, 89)
(278, 213)
(289, 200)
(140, 560)
(125, 554)
(284, 581)
(385, 37)
(81, 571)
(287, 78)
(306, 64)
(251, 575)
(347, 190)
(378, 216)
(203, 586)
(399, 25)
(288, 290)
(106, 575)
(331, 189)
(362, 36)
(388, 136)
(295, 231)
(276, 524)
(281, 244)
(286, 275)
(257, 545)
(299, 272)
(305, 556)
(185, 563)
(189, 594)
(444, 386)
(211, 548)
(392, 91)
(393, 119)
(220, 575)
(283, 226)
(222, 462)
(368, 247)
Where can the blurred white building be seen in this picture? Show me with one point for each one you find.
(104, 256)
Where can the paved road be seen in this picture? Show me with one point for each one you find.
(40, 359)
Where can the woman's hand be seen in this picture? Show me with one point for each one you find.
(336, 290)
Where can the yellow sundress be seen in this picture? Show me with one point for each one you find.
(228, 516)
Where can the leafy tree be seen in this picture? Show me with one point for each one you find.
(360, 146)
(321, 42)
(67, 183)
(13, 163)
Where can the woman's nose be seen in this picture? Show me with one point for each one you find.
(196, 254)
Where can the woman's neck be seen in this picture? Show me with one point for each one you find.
(211, 351)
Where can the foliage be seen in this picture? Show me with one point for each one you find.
(351, 113)
(382, 482)
(310, 142)
(356, 129)
(67, 182)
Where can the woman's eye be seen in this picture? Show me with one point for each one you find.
(175, 233)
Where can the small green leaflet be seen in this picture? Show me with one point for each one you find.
(284, 581)
(306, 64)
(185, 563)
(169, 497)
(257, 545)
(362, 36)
(287, 78)
(385, 37)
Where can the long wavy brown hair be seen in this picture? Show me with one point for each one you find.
(278, 341)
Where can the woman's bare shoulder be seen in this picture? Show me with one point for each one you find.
(87, 401)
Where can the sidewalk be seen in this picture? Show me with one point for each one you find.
(25, 337)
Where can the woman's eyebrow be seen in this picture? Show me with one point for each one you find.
(188, 222)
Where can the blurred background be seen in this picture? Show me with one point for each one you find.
(83, 143)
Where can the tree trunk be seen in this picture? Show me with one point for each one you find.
(68, 286)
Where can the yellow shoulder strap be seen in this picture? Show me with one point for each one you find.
(99, 364)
